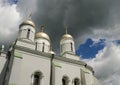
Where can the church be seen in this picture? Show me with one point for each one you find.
(31, 61)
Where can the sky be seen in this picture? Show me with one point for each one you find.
(94, 24)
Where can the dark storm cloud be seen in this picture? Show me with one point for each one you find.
(79, 15)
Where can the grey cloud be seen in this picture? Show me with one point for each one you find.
(106, 64)
(79, 15)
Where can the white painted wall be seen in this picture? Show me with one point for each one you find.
(24, 68)
(67, 69)
(24, 30)
(71, 56)
(65, 46)
(2, 61)
(25, 44)
(40, 42)
(72, 71)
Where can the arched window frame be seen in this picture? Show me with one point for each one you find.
(66, 78)
(40, 74)
(76, 81)
(43, 47)
(71, 44)
(36, 45)
(28, 33)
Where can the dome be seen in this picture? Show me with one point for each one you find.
(66, 36)
(28, 22)
(42, 35)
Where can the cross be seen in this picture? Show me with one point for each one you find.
(42, 27)
(66, 29)
(30, 15)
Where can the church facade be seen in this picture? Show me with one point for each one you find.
(31, 61)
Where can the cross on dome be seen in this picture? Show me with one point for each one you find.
(42, 27)
(30, 16)
(66, 29)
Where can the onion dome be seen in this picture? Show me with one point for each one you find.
(66, 36)
(28, 22)
(42, 34)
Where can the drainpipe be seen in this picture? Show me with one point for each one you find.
(51, 67)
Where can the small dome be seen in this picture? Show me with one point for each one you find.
(66, 36)
(42, 35)
(28, 22)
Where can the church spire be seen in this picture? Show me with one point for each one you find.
(69, 46)
(43, 40)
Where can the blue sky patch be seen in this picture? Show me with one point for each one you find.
(117, 41)
(13, 1)
(90, 48)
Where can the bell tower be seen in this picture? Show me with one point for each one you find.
(27, 30)
(67, 43)
(42, 41)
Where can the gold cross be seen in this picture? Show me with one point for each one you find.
(42, 27)
(30, 15)
(66, 29)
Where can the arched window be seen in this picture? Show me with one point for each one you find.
(28, 33)
(43, 47)
(36, 46)
(76, 81)
(37, 78)
(71, 46)
(65, 80)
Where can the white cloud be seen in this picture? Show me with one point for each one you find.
(106, 64)
(9, 20)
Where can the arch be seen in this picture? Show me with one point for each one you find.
(43, 47)
(65, 80)
(37, 78)
(71, 46)
(76, 81)
(28, 33)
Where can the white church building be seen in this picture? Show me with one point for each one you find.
(31, 61)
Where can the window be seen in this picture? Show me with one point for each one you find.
(36, 46)
(65, 80)
(43, 47)
(76, 81)
(71, 46)
(37, 78)
(28, 33)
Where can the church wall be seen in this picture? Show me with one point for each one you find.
(25, 68)
(31, 36)
(16, 69)
(25, 44)
(2, 61)
(40, 45)
(66, 46)
(70, 70)
(89, 78)
(25, 34)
